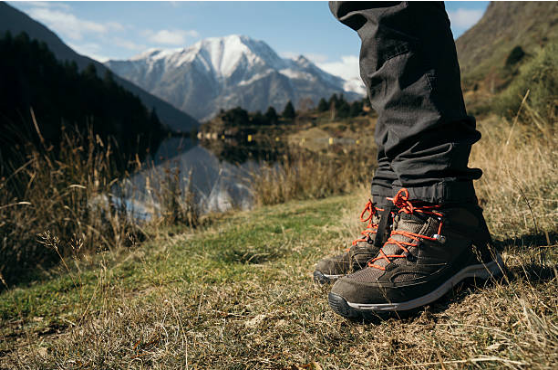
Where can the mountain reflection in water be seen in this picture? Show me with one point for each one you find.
(218, 181)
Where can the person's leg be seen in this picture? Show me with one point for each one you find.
(383, 180)
(409, 64)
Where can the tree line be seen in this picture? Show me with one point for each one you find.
(336, 104)
(341, 108)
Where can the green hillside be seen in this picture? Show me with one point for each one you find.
(485, 48)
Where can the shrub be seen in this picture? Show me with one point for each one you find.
(539, 76)
(515, 56)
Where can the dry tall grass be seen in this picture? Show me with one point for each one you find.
(52, 206)
(71, 203)
(306, 175)
(238, 295)
(519, 188)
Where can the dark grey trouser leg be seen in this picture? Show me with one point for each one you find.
(382, 182)
(409, 64)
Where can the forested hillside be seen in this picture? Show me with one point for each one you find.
(62, 97)
(16, 22)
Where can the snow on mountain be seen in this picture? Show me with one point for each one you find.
(221, 73)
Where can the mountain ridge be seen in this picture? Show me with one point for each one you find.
(224, 72)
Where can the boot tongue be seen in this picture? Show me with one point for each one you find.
(408, 223)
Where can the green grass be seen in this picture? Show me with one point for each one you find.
(218, 255)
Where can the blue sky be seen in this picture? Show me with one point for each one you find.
(120, 30)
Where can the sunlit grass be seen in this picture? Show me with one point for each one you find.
(237, 293)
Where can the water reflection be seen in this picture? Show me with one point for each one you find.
(217, 171)
(241, 149)
(218, 185)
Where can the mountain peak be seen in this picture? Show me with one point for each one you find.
(148, 54)
(303, 61)
(221, 55)
(228, 40)
(229, 71)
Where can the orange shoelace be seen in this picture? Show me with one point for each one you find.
(366, 216)
(401, 201)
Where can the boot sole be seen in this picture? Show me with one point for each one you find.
(360, 310)
(323, 279)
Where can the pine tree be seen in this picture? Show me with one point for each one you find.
(356, 109)
(341, 101)
(333, 101)
(259, 119)
(153, 118)
(90, 71)
(289, 111)
(32, 77)
(343, 109)
(236, 117)
(108, 78)
(322, 105)
(271, 116)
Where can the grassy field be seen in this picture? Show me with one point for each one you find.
(237, 293)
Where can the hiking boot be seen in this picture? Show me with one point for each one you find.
(430, 249)
(361, 251)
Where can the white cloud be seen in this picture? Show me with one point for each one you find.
(465, 18)
(170, 37)
(346, 68)
(115, 26)
(126, 44)
(316, 58)
(71, 26)
(91, 50)
(47, 4)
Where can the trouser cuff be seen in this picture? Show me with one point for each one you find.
(444, 192)
(380, 195)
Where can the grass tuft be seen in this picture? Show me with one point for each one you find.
(303, 174)
(68, 204)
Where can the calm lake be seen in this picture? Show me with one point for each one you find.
(218, 172)
(218, 176)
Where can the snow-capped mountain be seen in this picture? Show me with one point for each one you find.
(225, 72)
